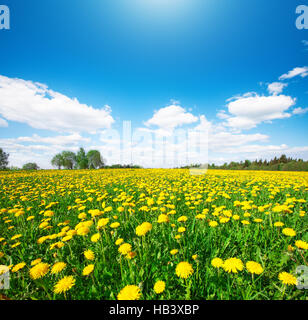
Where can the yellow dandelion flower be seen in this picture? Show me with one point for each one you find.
(143, 229)
(64, 284)
(88, 269)
(125, 248)
(18, 267)
(95, 237)
(233, 265)
(159, 286)
(184, 270)
(301, 244)
(287, 278)
(289, 232)
(36, 261)
(254, 267)
(89, 254)
(174, 251)
(58, 267)
(213, 224)
(39, 270)
(130, 292)
(217, 262)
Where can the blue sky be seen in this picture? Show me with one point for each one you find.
(163, 65)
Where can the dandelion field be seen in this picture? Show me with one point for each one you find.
(153, 234)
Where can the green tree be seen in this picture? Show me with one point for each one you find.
(95, 159)
(82, 160)
(58, 161)
(69, 159)
(3, 159)
(30, 166)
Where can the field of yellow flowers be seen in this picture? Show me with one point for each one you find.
(153, 234)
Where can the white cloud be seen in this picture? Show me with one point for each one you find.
(276, 87)
(299, 71)
(248, 111)
(300, 110)
(74, 138)
(170, 117)
(42, 108)
(3, 123)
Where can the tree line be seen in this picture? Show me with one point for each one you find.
(68, 160)
(94, 160)
(283, 163)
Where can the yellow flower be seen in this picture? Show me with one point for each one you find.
(36, 261)
(95, 237)
(64, 284)
(130, 292)
(88, 269)
(195, 256)
(39, 270)
(163, 218)
(184, 270)
(245, 222)
(16, 236)
(233, 265)
(15, 245)
(82, 231)
(213, 224)
(254, 267)
(18, 266)
(115, 225)
(143, 229)
(159, 286)
(182, 219)
(58, 267)
(119, 241)
(278, 224)
(174, 251)
(102, 223)
(287, 278)
(89, 254)
(125, 248)
(217, 262)
(181, 229)
(301, 244)
(289, 232)
(236, 217)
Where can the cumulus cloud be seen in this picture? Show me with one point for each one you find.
(74, 138)
(42, 108)
(170, 117)
(298, 71)
(248, 111)
(300, 110)
(276, 87)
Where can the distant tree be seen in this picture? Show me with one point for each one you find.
(69, 159)
(82, 160)
(30, 166)
(283, 159)
(3, 159)
(95, 159)
(247, 164)
(58, 161)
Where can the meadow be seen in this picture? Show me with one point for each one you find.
(153, 234)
